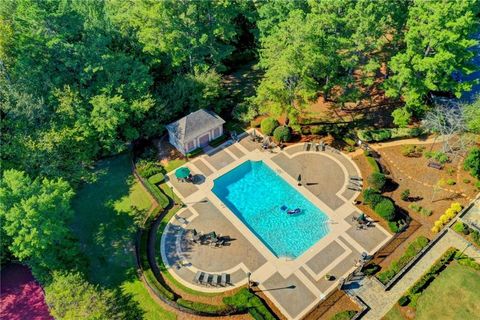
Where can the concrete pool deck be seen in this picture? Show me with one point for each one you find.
(294, 285)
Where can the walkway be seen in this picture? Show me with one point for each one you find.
(381, 301)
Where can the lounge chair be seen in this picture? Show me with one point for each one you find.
(204, 279)
(209, 279)
(198, 277)
(223, 280)
(215, 280)
(181, 219)
(305, 146)
(353, 188)
(355, 178)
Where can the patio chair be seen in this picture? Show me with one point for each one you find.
(181, 219)
(209, 279)
(198, 277)
(204, 279)
(215, 280)
(357, 178)
(223, 280)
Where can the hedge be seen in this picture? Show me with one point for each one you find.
(156, 178)
(386, 134)
(194, 153)
(218, 141)
(268, 125)
(157, 286)
(434, 270)
(412, 250)
(202, 307)
(162, 199)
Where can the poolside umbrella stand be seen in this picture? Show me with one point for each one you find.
(182, 173)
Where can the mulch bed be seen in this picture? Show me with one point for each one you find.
(336, 302)
(21, 296)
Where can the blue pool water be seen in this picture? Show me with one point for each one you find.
(256, 194)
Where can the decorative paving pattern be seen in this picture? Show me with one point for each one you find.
(294, 285)
(205, 170)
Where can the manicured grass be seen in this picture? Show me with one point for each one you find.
(174, 164)
(454, 294)
(151, 309)
(394, 314)
(104, 226)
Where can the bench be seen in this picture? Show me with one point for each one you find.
(435, 165)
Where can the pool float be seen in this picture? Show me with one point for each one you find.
(297, 210)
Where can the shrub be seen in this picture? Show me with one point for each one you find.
(412, 250)
(409, 150)
(349, 141)
(161, 198)
(458, 227)
(377, 180)
(268, 125)
(393, 226)
(255, 123)
(405, 195)
(428, 154)
(440, 157)
(156, 178)
(195, 153)
(425, 212)
(344, 315)
(472, 162)
(450, 171)
(381, 135)
(449, 214)
(401, 117)
(467, 181)
(371, 269)
(450, 181)
(319, 130)
(218, 141)
(403, 301)
(371, 197)
(477, 185)
(202, 307)
(148, 168)
(386, 209)
(282, 134)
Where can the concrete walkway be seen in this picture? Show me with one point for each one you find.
(381, 301)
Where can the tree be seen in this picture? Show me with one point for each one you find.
(401, 117)
(377, 180)
(471, 113)
(35, 215)
(472, 162)
(70, 296)
(438, 43)
(193, 35)
(386, 209)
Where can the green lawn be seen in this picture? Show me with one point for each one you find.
(455, 294)
(105, 229)
(174, 164)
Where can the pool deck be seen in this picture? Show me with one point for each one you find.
(294, 285)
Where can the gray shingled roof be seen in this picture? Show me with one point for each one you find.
(194, 124)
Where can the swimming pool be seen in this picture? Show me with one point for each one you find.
(261, 198)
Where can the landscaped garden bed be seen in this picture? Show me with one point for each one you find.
(412, 250)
